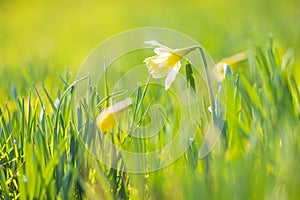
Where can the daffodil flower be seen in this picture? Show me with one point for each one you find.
(166, 62)
(223, 65)
(105, 120)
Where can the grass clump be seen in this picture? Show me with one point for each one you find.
(44, 143)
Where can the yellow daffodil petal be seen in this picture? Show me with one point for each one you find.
(105, 120)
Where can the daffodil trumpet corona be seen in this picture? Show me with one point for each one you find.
(105, 121)
(166, 62)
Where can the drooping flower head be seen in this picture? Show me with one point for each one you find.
(166, 62)
(105, 120)
(223, 65)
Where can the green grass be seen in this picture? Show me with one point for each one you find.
(44, 154)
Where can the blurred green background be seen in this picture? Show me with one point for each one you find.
(60, 34)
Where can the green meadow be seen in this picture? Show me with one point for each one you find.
(45, 134)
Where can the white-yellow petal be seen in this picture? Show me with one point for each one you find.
(105, 121)
(172, 75)
(159, 58)
(160, 50)
(120, 105)
(166, 62)
(159, 71)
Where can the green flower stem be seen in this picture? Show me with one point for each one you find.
(211, 96)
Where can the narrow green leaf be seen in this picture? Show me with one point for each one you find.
(189, 75)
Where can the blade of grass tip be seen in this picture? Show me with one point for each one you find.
(211, 95)
(135, 107)
(252, 63)
(265, 73)
(9, 122)
(139, 98)
(205, 107)
(15, 93)
(263, 66)
(262, 61)
(73, 145)
(110, 96)
(296, 94)
(29, 116)
(62, 121)
(288, 60)
(49, 98)
(49, 134)
(297, 89)
(271, 53)
(39, 97)
(4, 127)
(23, 136)
(88, 86)
(92, 101)
(63, 80)
(143, 94)
(146, 112)
(60, 103)
(272, 59)
(32, 126)
(79, 119)
(166, 117)
(87, 113)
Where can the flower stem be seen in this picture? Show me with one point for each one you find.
(211, 96)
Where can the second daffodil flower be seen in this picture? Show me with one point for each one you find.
(222, 66)
(105, 120)
(166, 62)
